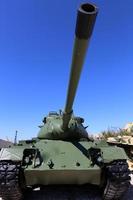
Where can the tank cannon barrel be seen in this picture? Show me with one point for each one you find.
(84, 26)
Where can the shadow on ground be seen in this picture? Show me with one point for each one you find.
(69, 193)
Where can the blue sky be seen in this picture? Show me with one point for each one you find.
(36, 41)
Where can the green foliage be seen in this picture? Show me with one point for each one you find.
(107, 134)
(112, 133)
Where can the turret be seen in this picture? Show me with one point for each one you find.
(84, 26)
(64, 125)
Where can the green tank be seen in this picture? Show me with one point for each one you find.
(62, 153)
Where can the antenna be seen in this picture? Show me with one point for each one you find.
(15, 139)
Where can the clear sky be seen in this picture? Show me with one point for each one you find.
(36, 41)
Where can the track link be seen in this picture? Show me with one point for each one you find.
(118, 180)
(9, 180)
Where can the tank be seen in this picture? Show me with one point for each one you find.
(123, 141)
(63, 153)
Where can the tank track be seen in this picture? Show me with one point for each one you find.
(9, 180)
(118, 180)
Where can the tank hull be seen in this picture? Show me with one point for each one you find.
(62, 177)
(62, 162)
